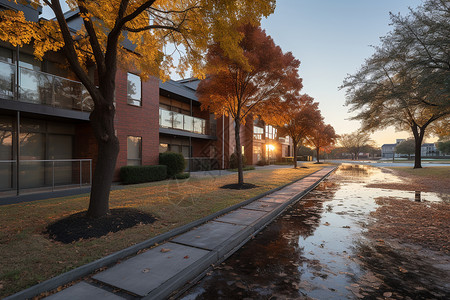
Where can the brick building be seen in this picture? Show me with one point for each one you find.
(46, 139)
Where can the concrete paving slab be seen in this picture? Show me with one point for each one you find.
(242, 216)
(262, 205)
(83, 291)
(145, 272)
(210, 235)
(280, 199)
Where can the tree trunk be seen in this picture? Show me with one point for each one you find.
(295, 154)
(318, 150)
(237, 137)
(102, 122)
(418, 139)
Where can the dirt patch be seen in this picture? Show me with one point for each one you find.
(235, 186)
(422, 223)
(77, 226)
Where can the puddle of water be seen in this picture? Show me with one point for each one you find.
(316, 249)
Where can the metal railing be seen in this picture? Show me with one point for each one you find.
(171, 119)
(43, 88)
(45, 173)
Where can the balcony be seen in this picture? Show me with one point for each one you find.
(43, 88)
(174, 120)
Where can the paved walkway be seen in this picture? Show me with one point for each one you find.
(158, 272)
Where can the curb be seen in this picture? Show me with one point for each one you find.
(89, 268)
(230, 248)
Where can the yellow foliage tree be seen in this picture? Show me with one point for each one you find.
(189, 25)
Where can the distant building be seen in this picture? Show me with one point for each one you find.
(426, 150)
(388, 150)
(429, 149)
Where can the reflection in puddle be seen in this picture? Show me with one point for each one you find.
(319, 249)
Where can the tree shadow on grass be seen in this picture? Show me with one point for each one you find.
(78, 226)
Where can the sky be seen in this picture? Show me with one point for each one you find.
(332, 38)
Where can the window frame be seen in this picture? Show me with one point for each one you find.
(139, 160)
(134, 101)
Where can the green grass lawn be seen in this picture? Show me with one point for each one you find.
(29, 257)
(440, 172)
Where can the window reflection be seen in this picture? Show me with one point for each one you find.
(134, 89)
(171, 119)
(134, 151)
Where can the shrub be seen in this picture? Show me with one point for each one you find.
(234, 161)
(182, 176)
(139, 174)
(174, 161)
(262, 162)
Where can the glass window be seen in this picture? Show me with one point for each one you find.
(258, 132)
(257, 153)
(32, 151)
(134, 90)
(177, 120)
(185, 151)
(134, 151)
(163, 148)
(188, 123)
(59, 147)
(7, 79)
(165, 118)
(271, 133)
(6, 55)
(175, 148)
(28, 61)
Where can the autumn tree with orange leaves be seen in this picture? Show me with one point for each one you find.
(253, 87)
(296, 119)
(189, 25)
(322, 136)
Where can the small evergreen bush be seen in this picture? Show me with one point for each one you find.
(182, 176)
(140, 174)
(262, 162)
(174, 161)
(234, 161)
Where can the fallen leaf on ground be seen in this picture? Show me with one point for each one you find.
(240, 285)
(164, 250)
(186, 257)
(146, 270)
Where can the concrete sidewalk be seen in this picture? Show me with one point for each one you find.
(159, 271)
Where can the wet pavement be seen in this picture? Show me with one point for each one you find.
(320, 249)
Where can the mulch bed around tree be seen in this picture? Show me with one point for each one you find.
(78, 226)
(235, 186)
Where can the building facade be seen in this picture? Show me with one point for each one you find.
(46, 139)
(426, 150)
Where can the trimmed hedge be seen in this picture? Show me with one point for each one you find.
(234, 161)
(140, 174)
(262, 162)
(182, 176)
(174, 161)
